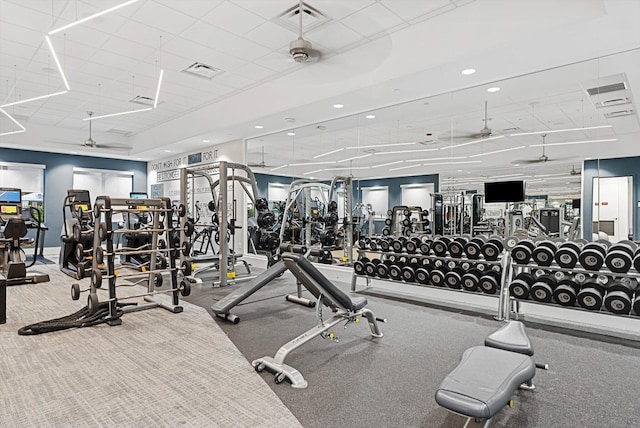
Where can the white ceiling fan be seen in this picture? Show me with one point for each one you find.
(543, 158)
(485, 132)
(93, 144)
(301, 50)
(262, 163)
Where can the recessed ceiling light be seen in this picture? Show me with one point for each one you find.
(516, 164)
(493, 89)
(338, 105)
(370, 116)
(291, 133)
(468, 71)
(258, 126)
(205, 141)
(167, 151)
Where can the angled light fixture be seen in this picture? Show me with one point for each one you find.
(155, 100)
(342, 168)
(118, 114)
(22, 128)
(506, 176)
(482, 140)
(41, 97)
(403, 167)
(90, 17)
(375, 146)
(386, 164)
(55, 58)
(450, 163)
(560, 130)
(312, 163)
(311, 172)
(328, 153)
(278, 167)
(355, 157)
(497, 151)
(404, 151)
(566, 143)
(437, 159)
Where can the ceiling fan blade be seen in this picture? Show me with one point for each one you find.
(113, 146)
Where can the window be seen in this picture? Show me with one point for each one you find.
(100, 182)
(378, 198)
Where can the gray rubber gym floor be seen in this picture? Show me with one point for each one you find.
(391, 381)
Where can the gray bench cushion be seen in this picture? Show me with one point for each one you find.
(512, 337)
(484, 381)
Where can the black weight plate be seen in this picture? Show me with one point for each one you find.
(590, 298)
(396, 245)
(472, 250)
(436, 277)
(422, 275)
(424, 248)
(636, 304)
(567, 257)
(519, 289)
(408, 274)
(439, 248)
(543, 255)
(370, 269)
(488, 284)
(526, 277)
(510, 242)
(565, 294)
(456, 249)
(591, 259)
(470, 280)
(386, 231)
(541, 291)
(382, 270)
(618, 261)
(618, 302)
(549, 244)
(387, 222)
(521, 254)
(453, 278)
(384, 244)
(358, 267)
(395, 272)
(411, 247)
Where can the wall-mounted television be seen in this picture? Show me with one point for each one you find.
(10, 196)
(138, 195)
(504, 191)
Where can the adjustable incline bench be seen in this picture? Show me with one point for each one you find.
(327, 294)
(487, 376)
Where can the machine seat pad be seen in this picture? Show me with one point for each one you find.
(511, 337)
(484, 381)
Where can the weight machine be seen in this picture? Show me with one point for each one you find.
(347, 217)
(77, 233)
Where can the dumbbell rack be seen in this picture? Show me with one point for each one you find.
(161, 211)
(518, 268)
(504, 261)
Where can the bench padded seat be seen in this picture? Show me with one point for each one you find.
(484, 381)
(511, 337)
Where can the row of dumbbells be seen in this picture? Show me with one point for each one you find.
(469, 276)
(407, 226)
(479, 247)
(620, 257)
(592, 292)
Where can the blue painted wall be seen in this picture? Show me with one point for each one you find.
(263, 180)
(58, 177)
(609, 168)
(395, 191)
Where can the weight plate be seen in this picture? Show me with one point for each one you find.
(437, 277)
(541, 291)
(358, 267)
(470, 280)
(510, 242)
(591, 259)
(488, 284)
(618, 302)
(422, 275)
(370, 269)
(408, 274)
(519, 289)
(521, 254)
(395, 272)
(382, 270)
(590, 298)
(566, 257)
(618, 261)
(565, 295)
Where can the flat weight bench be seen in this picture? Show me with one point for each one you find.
(343, 307)
(487, 376)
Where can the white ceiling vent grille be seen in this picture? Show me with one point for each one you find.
(142, 100)
(311, 18)
(620, 86)
(613, 102)
(202, 70)
(618, 113)
(118, 132)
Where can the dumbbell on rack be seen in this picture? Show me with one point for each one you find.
(566, 292)
(543, 287)
(593, 255)
(544, 252)
(520, 287)
(473, 247)
(567, 255)
(619, 297)
(521, 253)
(591, 295)
(489, 282)
(620, 256)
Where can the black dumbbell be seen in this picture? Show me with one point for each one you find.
(422, 275)
(453, 278)
(440, 246)
(591, 295)
(521, 253)
(542, 289)
(456, 247)
(395, 271)
(521, 285)
(492, 248)
(358, 266)
(470, 279)
(370, 267)
(387, 222)
(384, 244)
(619, 296)
(620, 256)
(386, 231)
(437, 276)
(413, 245)
(567, 255)
(473, 248)
(566, 293)
(544, 253)
(373, 245)
(409, 273)
(636, 304)
(398, 244)
(425, 246)
(382, 269)
(592, 256)
(489, 282)
(362, 243)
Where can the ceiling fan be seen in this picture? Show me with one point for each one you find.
(574, 171)
(485, 132)
(261, 164)
(301, 50)
(90, 142)
(543, 158)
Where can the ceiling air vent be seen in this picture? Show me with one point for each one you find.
(311, 19)
(620, 86)
(204, 71)
(118, 131)
(619, 113)
(142, 100)
(613, 102)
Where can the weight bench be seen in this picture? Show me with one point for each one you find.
(487, 376)
(343, 307)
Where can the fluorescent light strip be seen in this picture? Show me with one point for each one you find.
(574, 142)
(482, 140)
(505, 176)
(341, 168)
(450, 163)
(535, 181)
(387, 164)
(312, 163)
(22, 128)
(566, 177)
(155, 101)
(355, 157)
(312, 172)
(559, 130)
(403, 167)
(41, 97)
(329, 153)
(464, 178)
(90, 17)
(374, 146)
(405, 151)
(55, 58)
(118, 114)
(497, 151)
(278, 167)
(435, 159)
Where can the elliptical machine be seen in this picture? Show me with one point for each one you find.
(77, 234)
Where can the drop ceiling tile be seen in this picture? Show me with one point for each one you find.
(334, 36)
(195, 9)
(113, 60)
(233, 19)
(338, 9)
(162, 18)
(278, 61)
(143, 34)
(267, 9)
(410, 9)
(254, 72)
(26, 36)
(21, 13)
(223, 41)
(272, 36)
(372, 20)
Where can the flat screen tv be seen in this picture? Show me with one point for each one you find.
(504, 191)
(138, 195)
(10, 196)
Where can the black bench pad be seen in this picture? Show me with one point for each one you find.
(484, 381)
